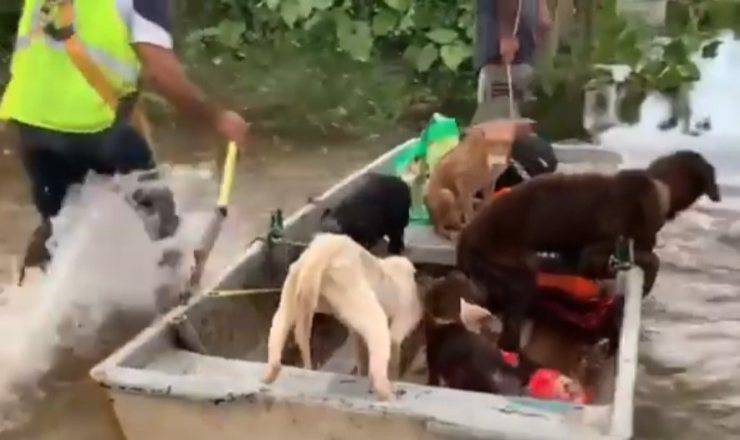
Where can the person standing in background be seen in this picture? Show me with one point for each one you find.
(496, 46)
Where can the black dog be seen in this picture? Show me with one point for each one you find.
(583, 214)
(379, 208)
(533, 155)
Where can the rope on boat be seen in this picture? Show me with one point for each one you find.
(225, 293)
(512, 113)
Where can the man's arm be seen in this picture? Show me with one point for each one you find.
(149, 24)
(163, 72)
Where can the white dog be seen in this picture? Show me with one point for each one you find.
(362, 291)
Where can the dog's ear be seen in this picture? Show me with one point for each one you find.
(442, 300)
(329, 223)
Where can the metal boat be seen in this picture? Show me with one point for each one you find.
(195, 372)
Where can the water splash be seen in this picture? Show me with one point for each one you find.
(101, 287)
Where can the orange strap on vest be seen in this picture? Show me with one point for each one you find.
(87, 67)
(93, 74)
(579, 288)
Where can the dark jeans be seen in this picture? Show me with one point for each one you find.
(55, 160)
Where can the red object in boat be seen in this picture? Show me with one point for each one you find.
(511, 358)
(547, 384)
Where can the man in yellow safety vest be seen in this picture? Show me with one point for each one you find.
(75, 76)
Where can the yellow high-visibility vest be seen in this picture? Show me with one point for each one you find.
(47, 89)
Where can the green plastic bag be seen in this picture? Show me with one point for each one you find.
(440, 136)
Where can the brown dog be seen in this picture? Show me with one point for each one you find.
(469, 168)
(469, 361)
(578, 214)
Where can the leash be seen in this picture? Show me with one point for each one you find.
(226, 293)
(512, 113)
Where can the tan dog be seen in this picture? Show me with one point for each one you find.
(364, 292)
(471, 167)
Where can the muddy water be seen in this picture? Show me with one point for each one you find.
(688, 384)
(273, 176)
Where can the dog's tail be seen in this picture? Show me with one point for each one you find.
(313, 265)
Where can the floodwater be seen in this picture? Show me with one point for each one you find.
(270, 177)
(687, 386)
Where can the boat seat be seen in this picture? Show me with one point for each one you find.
(423, 245)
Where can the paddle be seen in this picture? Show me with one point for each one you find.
(213, 229)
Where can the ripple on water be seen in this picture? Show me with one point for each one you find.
(688, 381)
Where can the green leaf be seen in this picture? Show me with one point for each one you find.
(689, 72)
(428, 15)
(322, 4)
(290, 10)
(272, 4)
(399, 5)
(384, 22)
(427, 56)
(312, 21)
(675, 52)
(356, 39)
(411, 54)
(230, 33)
(343, 23)
(442, 35)
(305, 7)
(628, 50)
(407, 22)
(454, 54)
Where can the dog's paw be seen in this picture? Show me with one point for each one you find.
(384, 390)
(271, 373)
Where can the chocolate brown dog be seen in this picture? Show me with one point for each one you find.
(577, 214)
(469, 168)
(468, 361)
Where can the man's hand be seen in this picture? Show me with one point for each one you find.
(509, 46)
(233, 127)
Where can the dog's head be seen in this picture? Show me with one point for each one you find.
(442, 299)
(329, 223)
(688, 175)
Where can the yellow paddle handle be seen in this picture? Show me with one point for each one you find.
(227, 179)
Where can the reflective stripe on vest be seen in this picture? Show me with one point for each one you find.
(47, 89)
